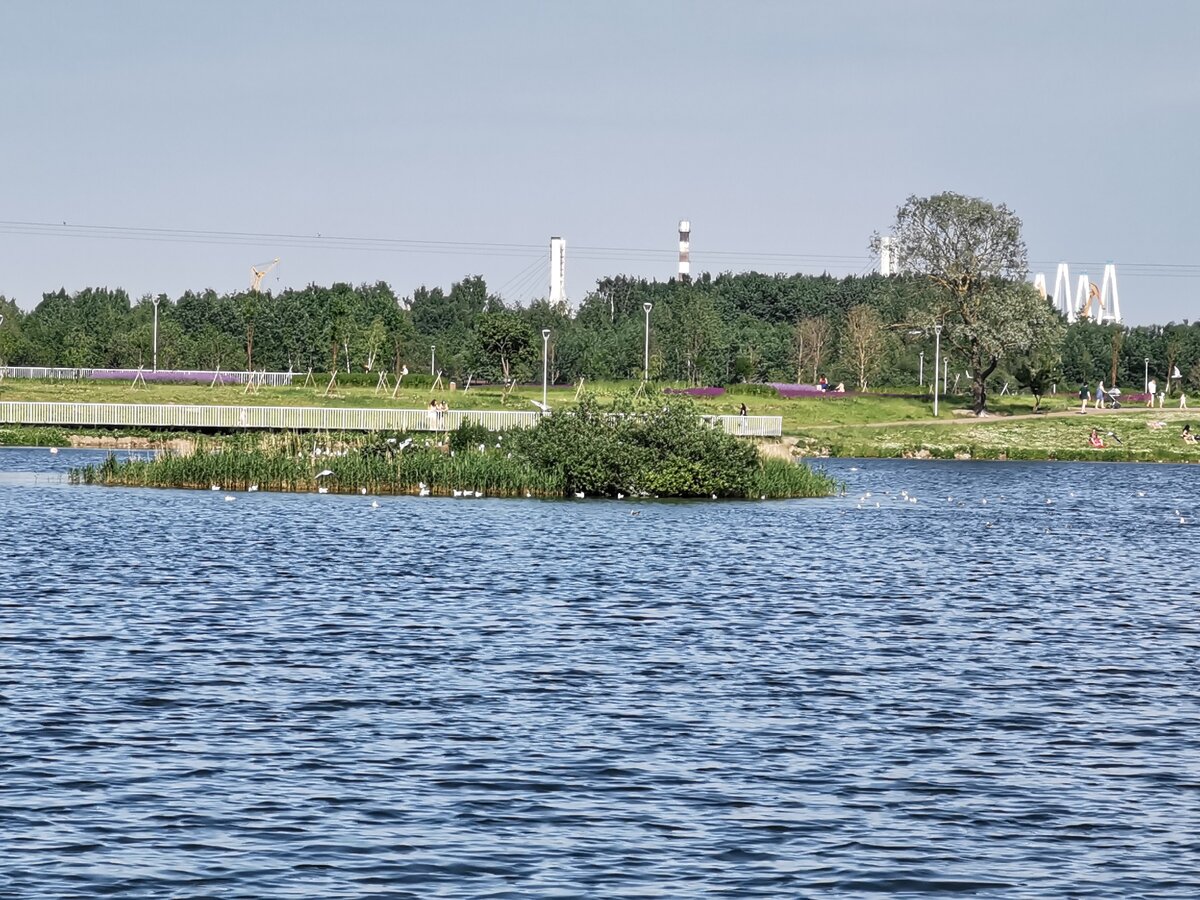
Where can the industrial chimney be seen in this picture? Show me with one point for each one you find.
(685, 243)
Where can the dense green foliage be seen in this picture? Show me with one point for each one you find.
(719, 329)
(647, 451)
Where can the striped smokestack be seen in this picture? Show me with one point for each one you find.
(685, 244)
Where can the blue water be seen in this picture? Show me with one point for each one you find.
(305, 696)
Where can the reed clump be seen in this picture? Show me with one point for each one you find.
(664, 450)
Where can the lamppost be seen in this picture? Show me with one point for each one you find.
(921, 371)
(646, 367)
(432, 359)
(937, 352)
(545, 361)
(156, 300)
(1146, 376)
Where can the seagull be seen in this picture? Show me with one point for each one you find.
(374, 504)
(579, 495)
(458, 493)
(424, 492)
(362, 490)
(214, 487)
(322, 490)
(324, 472)
(620, 496)
(636, 512)
(544, 407)
(391, 440)
(714, 496)
(252, 488)
(403, 443)
(54, 450)
(229, 499)
(528, 495)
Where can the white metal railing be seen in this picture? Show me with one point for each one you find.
(266, 379)
(299, 418)
(748, 426)
(307, 418)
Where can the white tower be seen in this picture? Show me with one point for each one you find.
(887, 261)
(558, 270)
(1062, 292)
(685, 244)
(1110, 300)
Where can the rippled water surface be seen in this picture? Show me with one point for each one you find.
(990, 690)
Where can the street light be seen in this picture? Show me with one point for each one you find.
(646, 368)
(937, 352)
(432, 359)
(921, 371)
(156, 300)
(545, 360)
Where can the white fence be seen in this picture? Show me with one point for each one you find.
(307, 418)
(749, 426)
(297, 418)
(266, 379)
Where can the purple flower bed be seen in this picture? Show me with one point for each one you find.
(790, 391)
(697, 392)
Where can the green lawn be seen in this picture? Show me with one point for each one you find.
(851, 425)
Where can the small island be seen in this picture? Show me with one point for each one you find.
(624, 450)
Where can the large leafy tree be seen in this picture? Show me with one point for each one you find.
(972, 254)
(503, 340)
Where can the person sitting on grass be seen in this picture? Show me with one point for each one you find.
(1188, 437)
(1095, 440)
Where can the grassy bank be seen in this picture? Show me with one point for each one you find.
(594, 451)
(849, 425)
(1130, 437)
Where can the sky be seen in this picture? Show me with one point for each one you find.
(162, 147)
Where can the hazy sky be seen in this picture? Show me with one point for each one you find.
(785, 131)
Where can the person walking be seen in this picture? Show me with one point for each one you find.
(1152, 389)
(1085, 394)
(1100, 394)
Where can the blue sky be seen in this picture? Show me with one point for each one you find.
(785, 131)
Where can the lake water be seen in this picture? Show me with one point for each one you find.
(989, 691)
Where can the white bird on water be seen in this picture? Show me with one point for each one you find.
(214, 487)
(374, 504)
(322, 490)
(229, 499)
(252, 488)
(362, 490)
(53, 450)
(579, 495)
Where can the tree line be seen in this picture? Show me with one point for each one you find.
(867, 331)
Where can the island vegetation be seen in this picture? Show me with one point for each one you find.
(625, 449)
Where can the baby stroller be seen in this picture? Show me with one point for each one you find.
(1112, 398)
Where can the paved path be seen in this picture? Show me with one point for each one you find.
(1165, 413)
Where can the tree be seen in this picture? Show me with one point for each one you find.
(865, 342)
(502, 338)
(971, 252)
(813, 336)
(1036, 374)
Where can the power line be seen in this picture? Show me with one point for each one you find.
(715, 258)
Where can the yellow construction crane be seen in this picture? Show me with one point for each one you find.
(257, 273)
